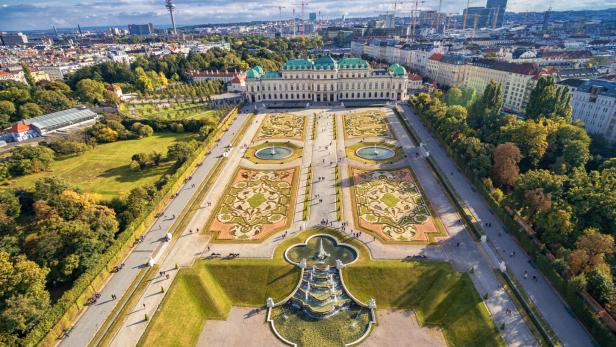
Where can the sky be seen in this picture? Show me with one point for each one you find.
(42, 14)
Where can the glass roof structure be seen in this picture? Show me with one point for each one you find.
(62, 119)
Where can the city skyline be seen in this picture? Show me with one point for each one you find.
(17, 14)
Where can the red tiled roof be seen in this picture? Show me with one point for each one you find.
(436, 56)
(415, 77)
(20, 127)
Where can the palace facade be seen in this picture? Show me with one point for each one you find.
(327, 80)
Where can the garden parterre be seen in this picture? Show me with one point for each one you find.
(281, 126)
(390, 204)
(366, 124)
(256, 204)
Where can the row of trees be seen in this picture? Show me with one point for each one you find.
(545, 167)
(193, 90)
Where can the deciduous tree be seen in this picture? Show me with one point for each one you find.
(506, 158)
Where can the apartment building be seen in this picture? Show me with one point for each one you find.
(594, 103)
(518, 80)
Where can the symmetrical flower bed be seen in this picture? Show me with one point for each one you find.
(256, 204)
(281, 126)
(390, 204)
(366, 124)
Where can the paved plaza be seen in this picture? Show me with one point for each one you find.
(324, 134)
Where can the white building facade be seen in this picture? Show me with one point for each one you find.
(594, 103)
(327, 80)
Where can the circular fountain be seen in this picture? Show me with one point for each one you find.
(375, 153)
(274, 152)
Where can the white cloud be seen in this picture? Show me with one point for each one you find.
(18, 14)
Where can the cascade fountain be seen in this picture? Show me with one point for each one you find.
(321, 298)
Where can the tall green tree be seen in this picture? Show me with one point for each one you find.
(90, 91)
(23, 297)
(547, 100)
(485, 112)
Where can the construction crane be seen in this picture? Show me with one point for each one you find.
(475, 25)
(303, 4)
(468, 2)
(280, 18)
(437, 18)
(414, 16)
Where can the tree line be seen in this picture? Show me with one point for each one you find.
(53, 233)
(545, 167)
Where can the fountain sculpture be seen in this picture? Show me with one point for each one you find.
(322, 254)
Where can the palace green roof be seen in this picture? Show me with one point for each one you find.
(326, 63)
(298, 64)
(254, 73)
(353, 63)
(272, 74)
(397, 70)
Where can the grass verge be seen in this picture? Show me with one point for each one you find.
(116, 318)
(209, 289)
(439, 296)
(307, 195)
(338, 195)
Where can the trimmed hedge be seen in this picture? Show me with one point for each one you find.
(70, 304)
(583, 313)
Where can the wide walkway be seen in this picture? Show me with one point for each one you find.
(152, 246)
(558, 315)
(324, 161)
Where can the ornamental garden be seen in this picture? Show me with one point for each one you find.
(256, 204)
(281, 126)
(391, 205)
(286, 281)
(366, 124)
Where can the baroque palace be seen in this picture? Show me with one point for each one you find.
(327, 80)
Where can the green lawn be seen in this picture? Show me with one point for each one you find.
(390, 200)
(180, 110)
(208, 290)
(256, 200)
(105, 169)
(438, 294)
